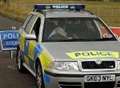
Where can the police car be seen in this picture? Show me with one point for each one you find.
(66, 46)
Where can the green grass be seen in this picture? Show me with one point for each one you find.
(108, 11)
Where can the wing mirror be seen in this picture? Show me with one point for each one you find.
(31, 37)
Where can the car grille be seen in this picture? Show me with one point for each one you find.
(100, 85)
(118, 84)
(95, 65)
(69, 85)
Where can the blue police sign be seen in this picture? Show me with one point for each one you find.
(9, 39)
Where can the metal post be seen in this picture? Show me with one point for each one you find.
(12, 65)
(11, 54)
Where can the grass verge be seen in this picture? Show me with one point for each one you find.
(108, 11)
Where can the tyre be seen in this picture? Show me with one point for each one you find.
(19, 62)
(39, 77)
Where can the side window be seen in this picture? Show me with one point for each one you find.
(30, 24)
(105, 33)
(36, 28)
(27, 20)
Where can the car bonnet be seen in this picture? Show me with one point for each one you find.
(83, 50)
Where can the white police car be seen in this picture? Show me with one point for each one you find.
(66, 46)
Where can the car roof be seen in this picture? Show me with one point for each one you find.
(55, 10)
(67, 13)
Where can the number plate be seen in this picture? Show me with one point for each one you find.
(99, 78)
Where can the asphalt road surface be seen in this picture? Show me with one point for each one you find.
(9, 76)
(8, 23)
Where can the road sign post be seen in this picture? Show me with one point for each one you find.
(9, 41)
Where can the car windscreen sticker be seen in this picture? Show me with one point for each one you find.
(93, 54)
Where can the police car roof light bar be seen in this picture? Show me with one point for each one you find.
(77, 7)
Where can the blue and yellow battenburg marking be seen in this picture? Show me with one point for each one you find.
(45, 59)
(38, 49)
(32, 45)
(33, 50)
(22, 40)
(93, 54)
(26, 47)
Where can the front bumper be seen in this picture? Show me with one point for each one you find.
(54, 80)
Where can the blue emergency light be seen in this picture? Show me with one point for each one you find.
(41, 7)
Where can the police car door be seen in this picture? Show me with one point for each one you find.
(33, 43)
(27, 27)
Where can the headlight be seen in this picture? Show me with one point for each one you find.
(66, 66)
(118, 65)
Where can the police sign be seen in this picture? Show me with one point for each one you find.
(93, 54)
(9, 39)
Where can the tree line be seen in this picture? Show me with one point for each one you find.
(5, 1)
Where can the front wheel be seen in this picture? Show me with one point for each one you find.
(39, 77)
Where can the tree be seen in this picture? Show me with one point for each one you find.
(106, 0)
(7, 2)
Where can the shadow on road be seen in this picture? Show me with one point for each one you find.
(10, 77)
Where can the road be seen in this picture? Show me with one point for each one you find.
(8, 23)
(9, 76)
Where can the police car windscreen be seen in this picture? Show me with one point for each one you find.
(75, 29)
